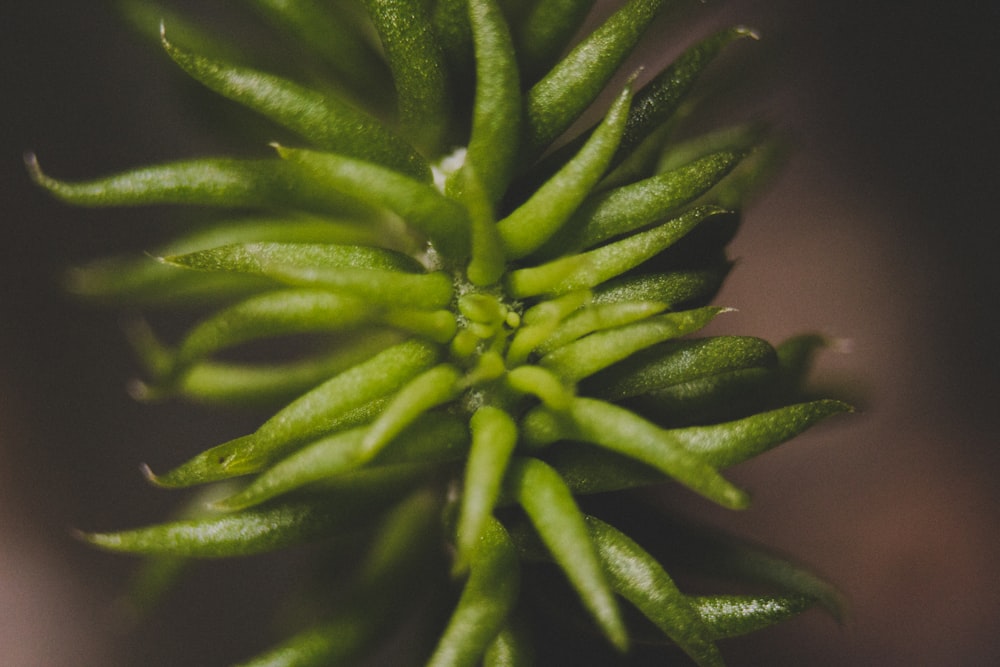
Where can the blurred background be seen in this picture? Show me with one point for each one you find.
(881, 232)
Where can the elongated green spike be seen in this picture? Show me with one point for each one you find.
(533, 223)
(727, 444)
(487, 599)
(659, 99)
(324, 120)
(641, 204)
(592, 353)
(676, 288)
(678, 362)
(496, 112)
(542, 383)
(431, 439)
(372, 274)
(418, 69)
(487, 263)
(599, 317)
(218, 182)
(429, 389)
(734, 615)
(244, 533)
(348, 399)
(592, 268)
(494, 436)
(545, 31)
(568, 89)
(625, 432)
(222, 383)
(638, 577)
(421, 206)
(272, 314)
(560, 524)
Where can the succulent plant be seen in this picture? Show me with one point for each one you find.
(477, 313)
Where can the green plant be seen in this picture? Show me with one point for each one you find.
(479, 351)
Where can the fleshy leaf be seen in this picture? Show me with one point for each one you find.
(637, 576)
(568, 89)
(558, 521)
(489, 594)
(625, 432)
(324, 120)
(534, 222)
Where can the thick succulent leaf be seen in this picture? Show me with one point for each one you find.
(324, 120)
(599, 317)
(373, 274)
(534, 222)
(560, 525)
(435, 438)
(676, 288)
(510, 648)
(727, 444)
(223, 182)
(676, 363)
(245, 533)
(428, 390)
(625, 432)
(494, 436)
(487, 599)
(420, 205)
(590, 354)
(659, 99)
(347, 399)
(418, 70)
(298, 311)
(592, 268)
(568, 89)
(733, 615)
(545, 31)
(496, 113)
(632, 207)
(638, 577)
(248, 384)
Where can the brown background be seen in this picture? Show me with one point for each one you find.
(882, 232)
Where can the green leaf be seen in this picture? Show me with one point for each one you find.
(599, 317)
(676, 288)
(590, 354)
(244, 533)
(558, 521)
(222, 182)
(222, 383)
(510, 648)
(534, 222)
(638, 577)
(727, 444)
(494, 436)
(496, 112)
(568, 89)
(592, 268)
(659, 99)
(487, 598)
(324, 120)
(545, 31)
(417, 66)
(625, 432)
(421, 206)
(347, 399)
(435, 438)
(632, 207)
(373, 274)
(674, 365)
(734, 615)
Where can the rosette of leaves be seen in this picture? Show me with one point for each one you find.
(482, 317)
